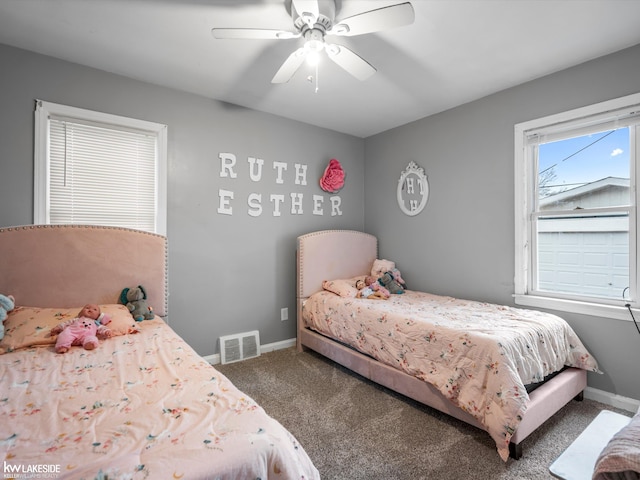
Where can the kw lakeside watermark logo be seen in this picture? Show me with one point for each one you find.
(36, 470)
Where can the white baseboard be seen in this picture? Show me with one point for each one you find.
(618, 401)
(269, 347)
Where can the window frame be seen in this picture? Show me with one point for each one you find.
(525, 182)
(45, 110)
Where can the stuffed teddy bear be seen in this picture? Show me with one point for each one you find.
(135, 299)
(390, 283)
(83, 330)
(7, 303)
(380, 266)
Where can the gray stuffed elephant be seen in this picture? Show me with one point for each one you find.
(135, 299)
(390, 283)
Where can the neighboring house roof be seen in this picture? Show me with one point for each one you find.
(594, 194)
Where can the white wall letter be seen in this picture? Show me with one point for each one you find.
(227, 162)
(277, 200)
(301, 174)
(335, 206)
(296, 203)
(255, 176)
(280, 167)
(318, 200)
(224, 207)
(409, 182)
(255, 204)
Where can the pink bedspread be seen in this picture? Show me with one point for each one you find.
(139, 406)
(478, 355)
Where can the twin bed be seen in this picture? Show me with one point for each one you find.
(141, 405)
(502, 369)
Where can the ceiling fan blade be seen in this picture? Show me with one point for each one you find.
(252, 34)
(290, 66)
(375, 20)
(351, 62)
(308, 10)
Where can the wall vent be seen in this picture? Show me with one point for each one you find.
(240, 346)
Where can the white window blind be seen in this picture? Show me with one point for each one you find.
(99, 173)
(101, 176)
(610, 120)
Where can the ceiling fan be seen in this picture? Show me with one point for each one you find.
(312, 20)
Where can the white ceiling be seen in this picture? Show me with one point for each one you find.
(456, 51)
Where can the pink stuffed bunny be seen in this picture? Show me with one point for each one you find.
(397, 276)
(82, 330)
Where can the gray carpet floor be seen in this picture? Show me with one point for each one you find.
(354, 429)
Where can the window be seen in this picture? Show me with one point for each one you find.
(99, 169)
(576, 209)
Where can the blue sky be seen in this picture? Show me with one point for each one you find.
(579, 160)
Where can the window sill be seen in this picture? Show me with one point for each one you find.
(574, 306)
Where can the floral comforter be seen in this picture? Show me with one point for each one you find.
(139, 406)
(478, 355)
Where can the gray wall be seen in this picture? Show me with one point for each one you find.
(233, 273)
(227, 273)
(462, 244)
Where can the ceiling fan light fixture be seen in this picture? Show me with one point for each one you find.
(313, 46)
(313, 49)
(313, 58)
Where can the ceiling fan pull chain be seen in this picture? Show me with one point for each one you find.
(317, 87)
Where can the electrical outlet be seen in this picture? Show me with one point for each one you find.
(284, 314)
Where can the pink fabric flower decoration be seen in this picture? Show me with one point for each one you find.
(332, 179)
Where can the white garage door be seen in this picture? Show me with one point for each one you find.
(587, 263)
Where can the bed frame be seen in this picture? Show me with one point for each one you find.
(69, 265)
(333, 254)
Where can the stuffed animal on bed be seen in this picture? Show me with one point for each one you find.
(372, 282)
(83, 330)
(390, 283)
(397, 276)
(7, 303)
(380, 266)
(135, 299)
(365, 291)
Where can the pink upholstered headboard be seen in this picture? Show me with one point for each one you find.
(333, 254)
(71, 265)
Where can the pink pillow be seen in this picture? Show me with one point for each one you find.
(30, 326)
(345, 287)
